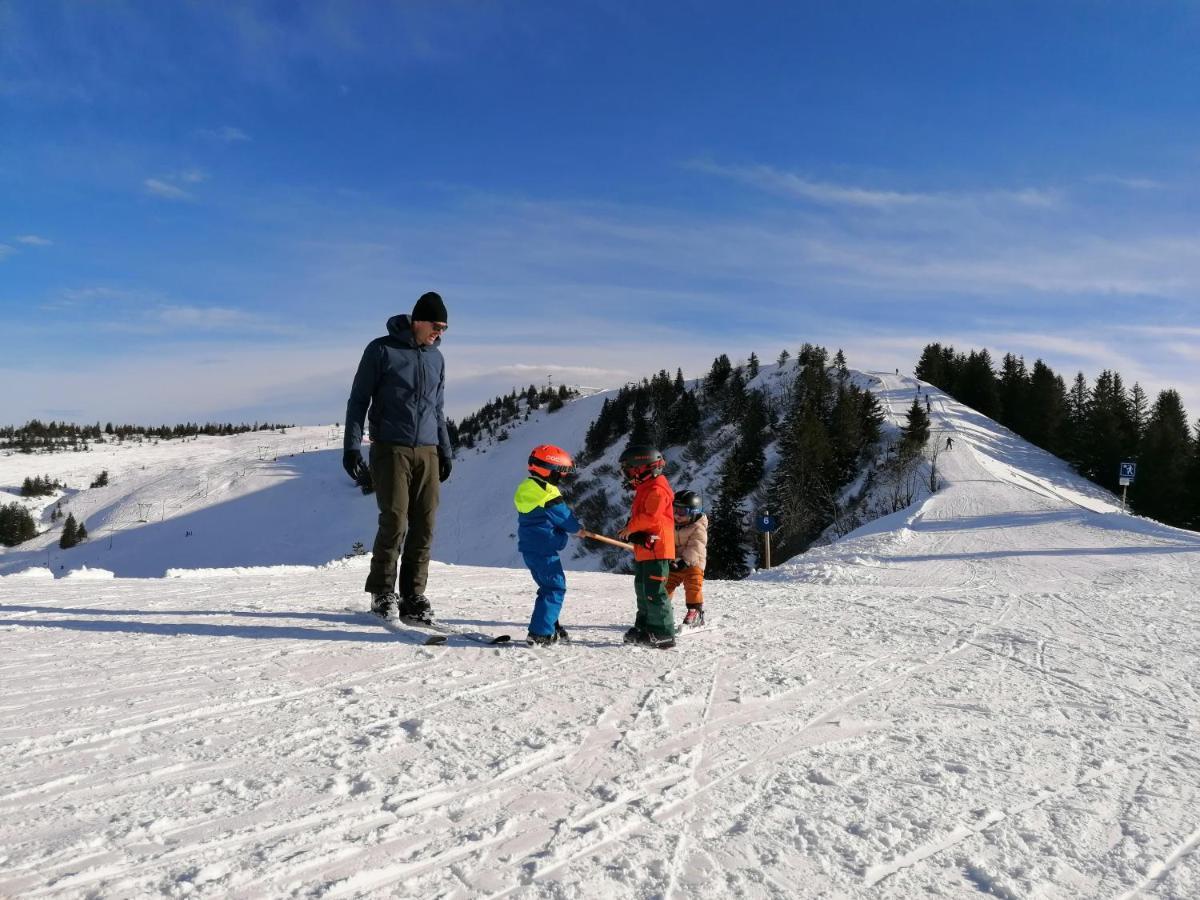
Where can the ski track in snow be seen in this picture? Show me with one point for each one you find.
(996, 692)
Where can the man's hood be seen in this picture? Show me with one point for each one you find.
(400, 328)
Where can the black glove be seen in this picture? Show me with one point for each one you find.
(678, 565)
(352, 462)
(445, 466)
(642, 539)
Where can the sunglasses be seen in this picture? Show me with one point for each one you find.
(439, 327)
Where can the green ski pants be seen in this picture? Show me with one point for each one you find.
(653, 604)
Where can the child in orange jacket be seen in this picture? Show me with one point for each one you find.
(651, 530)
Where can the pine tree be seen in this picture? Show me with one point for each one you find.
(81, 533)
(915, 434)
(839, 364)
(683, 421)
(1139, 406)
(1046, 408)
(70, 533)
(1108, 432)
(16, 525)
(977, 386)
(1159, 490)
(782, 359)
(733, 397)
(721, 369)
(745, 463)
(1079, 401)
(854, 426)
(931, 367)
(640, 430)
(1013, 389)
(726, 540)
(1191, 487)
(752, 366)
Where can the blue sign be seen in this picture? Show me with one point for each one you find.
(766, 523)
(1129, 470)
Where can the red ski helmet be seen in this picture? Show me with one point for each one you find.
(551, 463)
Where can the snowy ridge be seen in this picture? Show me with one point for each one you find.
(993, 692)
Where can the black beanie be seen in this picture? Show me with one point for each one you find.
(430, 308)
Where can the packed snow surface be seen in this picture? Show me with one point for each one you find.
(994, 692)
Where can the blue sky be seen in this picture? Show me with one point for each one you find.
(207, 210)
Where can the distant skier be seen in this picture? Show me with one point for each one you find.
(949, 443)
(927, 408)
(691, 548)
(651, 530)
(543, 524)
(399, 387)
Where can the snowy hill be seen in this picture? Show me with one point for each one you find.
(994, 691)
(265, 498)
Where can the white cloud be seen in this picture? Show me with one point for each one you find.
(226, 134)
(1133, 183)
(6, 250)
(206, 318)
(169, 186)
(166, 189)
(74, 296)
(33, 240)
(789, 184)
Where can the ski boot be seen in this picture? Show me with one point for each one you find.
(694, 617)
(386, 605)
(657, 641)
(541, 640)
(633, 635)
(416, 608)
(560, 634)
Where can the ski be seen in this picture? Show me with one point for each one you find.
(450, 631)
(684, 631)
(428, 640)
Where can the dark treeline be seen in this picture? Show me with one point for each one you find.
(50, 436)
(828, 430)
(16, 525)
(659, 411)
(824, 426)
(1093, 427)
(40, 486)
(494, 418)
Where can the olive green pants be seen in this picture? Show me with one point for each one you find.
(407, 490)
(653, 604)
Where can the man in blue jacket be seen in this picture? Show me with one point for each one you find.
(399, 388)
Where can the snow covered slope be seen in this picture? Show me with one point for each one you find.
(995, 692)
(248, 499)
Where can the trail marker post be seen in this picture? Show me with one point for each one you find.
(1127, 475)
(766, 523)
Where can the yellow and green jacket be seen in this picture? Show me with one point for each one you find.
(543, 520)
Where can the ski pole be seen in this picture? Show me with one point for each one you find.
(606, 540)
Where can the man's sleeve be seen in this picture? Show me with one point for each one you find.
(444, 448)
(361, 392)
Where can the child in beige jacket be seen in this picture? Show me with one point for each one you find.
(691, 555)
